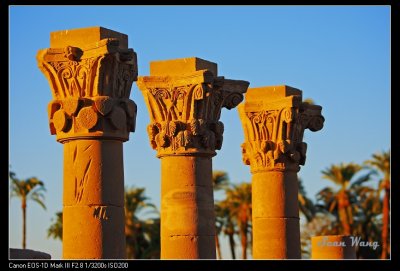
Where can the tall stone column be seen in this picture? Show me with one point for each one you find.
(274, 119)
(90, 72)
(184, 98)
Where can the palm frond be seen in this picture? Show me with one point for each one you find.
(361, 180)
(38, 199)
(220, 180)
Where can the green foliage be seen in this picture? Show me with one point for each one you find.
(30, 189)
(351, 207)
(55, 229)
(354, 206)
(220, 180)
(142, 236)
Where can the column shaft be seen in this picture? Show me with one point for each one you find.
(93, 201)
(90, 72)
(184, 98)
(275, 216)
(274, 119)
(187, 210)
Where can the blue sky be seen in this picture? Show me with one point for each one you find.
(337, 55)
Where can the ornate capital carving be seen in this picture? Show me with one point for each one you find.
(185, 110)
(274, 120)
(90, 86)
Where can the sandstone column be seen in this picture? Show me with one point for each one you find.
(90, 72)
(184, 98)
(274, 119)
(332, 247)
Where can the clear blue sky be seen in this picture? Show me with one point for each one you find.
(339, 57)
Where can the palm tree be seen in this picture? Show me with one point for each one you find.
(142, 236)
(381, 162)
(55, 229)
(239, 198)
(151, 228)
(135, 229)
(29, 189)
(220, 181)
(224, 221)
(340, 202)
(368, 226)
(306, 206)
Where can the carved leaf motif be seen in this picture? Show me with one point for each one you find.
(131, 108)
(103, 104)
(316, 123)
(60, 120)
(198, 92)
(118, 118)
(173, 129)
(233, 100)
(189, 109)
(274, 137)
(87, 117)
(70, 105)
(162, 140)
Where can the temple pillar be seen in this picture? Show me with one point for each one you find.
(90, 72)
(184, 98)
(274, 119)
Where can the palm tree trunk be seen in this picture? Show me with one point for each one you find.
(232, 245)
(218, 247)
(244, 243)
(23, 223)
(385, 221)
(343, 217)
(251, 242)
(344, 222)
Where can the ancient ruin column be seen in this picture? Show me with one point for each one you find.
(332, 247)
(90, 72)
(184, 98)
(274, 119)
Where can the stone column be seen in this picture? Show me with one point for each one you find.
(332, 247)
(184, 98)
(274, 119)
(90, 72)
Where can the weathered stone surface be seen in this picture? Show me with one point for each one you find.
(84, 37)
(90, 72)
(28, 254)
(178, 67)
(332, 247)
(275, 194)
(276, 238)
(184, 98)
(93, 232)
(95, 172)
(185, 108)
(274, 119)
(188, 247)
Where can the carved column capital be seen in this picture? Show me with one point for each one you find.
(274, 120)
(185, 106)
(90, 83)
